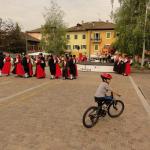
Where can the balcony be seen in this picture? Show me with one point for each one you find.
(96, 40)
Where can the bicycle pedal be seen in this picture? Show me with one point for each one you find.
(103, 113)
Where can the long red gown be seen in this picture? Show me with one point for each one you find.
(40, 72)
(30, 67)
(7, 66)
(19, 68)
(58, 71)
(127, 68)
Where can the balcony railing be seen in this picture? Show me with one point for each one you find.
(96, 40)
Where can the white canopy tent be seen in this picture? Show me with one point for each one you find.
(94, 56)
(37, 53)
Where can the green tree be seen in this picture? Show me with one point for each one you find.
(130, 23)
(54, 30)
(11, 37)
(17, 40)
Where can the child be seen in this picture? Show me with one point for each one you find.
(104, 88)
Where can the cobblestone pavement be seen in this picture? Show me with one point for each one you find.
(43, 114)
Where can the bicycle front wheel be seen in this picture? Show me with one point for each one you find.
(116, 109)
(90, 117)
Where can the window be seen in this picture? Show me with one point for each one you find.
(83, 36)
(68, 37)
(96, 47)
(68, 46)
(96, 36)
(83, 46)
(75, 36)
(108, 35)
(107, 46)
(76, 47)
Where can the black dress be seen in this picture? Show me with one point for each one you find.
(52, 66)
(25, 65)
(65, 69)
(1, 61)
(43, 64)
(71, 66)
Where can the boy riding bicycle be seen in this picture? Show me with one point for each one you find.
(104, 88)
(106, 104)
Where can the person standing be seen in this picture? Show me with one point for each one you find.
(19, 70)
(52, 66)
(30, 65)
(116, 61)
(127, 67)
(71, 67)
(40, 72)
(65, 70)
(42, 61)
(58, 69)
(25, 66)
(7, 65)
(121, 64)
(1, 62)
(75, 73)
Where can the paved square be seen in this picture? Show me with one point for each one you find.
(43, 114)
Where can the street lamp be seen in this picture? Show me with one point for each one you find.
(143, 53)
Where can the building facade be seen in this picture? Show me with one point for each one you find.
(91, 37)
(87, 38)
(33, 44)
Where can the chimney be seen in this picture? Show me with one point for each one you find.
(82, 21)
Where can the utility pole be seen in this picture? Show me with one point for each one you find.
(144, 34)
(26, 43)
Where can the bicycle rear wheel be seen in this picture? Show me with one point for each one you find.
(90, 117)
(116, 108)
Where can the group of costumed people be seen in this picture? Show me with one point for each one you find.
(64, 67)
(122, 64)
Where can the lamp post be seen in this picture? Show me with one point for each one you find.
(143, 53)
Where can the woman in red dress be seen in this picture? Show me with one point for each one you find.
(7, 65)
(40, 72)
(58, 69)
(19, 68)
(29, 63)
(127, 67)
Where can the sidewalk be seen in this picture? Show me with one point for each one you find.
(142, 80)
(141, 70)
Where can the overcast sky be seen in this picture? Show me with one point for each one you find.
(29, 13)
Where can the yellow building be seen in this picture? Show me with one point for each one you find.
(91, 38)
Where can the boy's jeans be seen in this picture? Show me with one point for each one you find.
(99, 100)
(108, 98)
